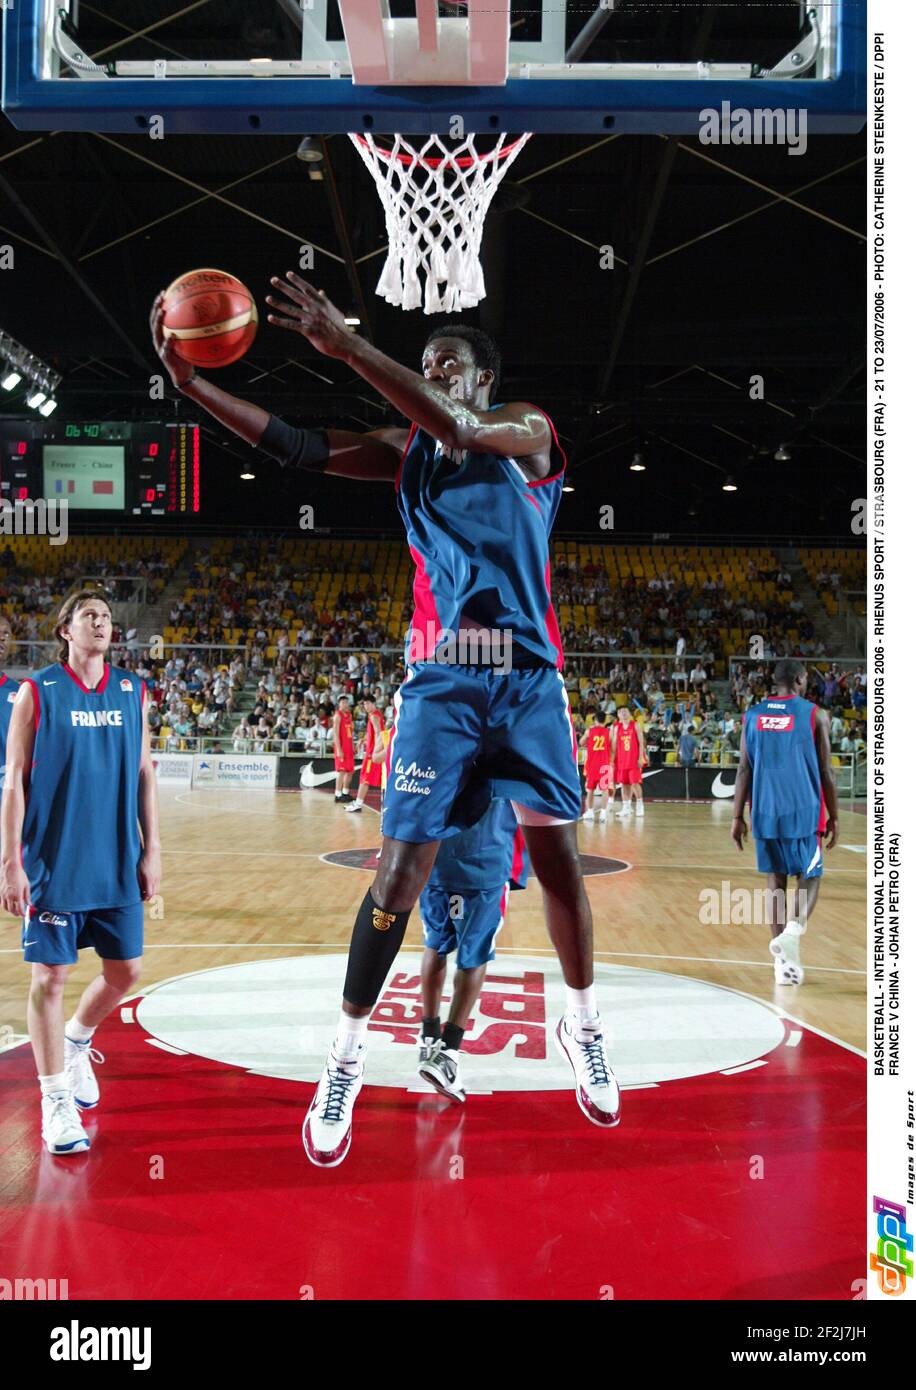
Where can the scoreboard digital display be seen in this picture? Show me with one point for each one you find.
(128, 467)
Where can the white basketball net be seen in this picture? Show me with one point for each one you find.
(435, 202)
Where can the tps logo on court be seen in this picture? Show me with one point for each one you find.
(278, 1017)
(368, 859)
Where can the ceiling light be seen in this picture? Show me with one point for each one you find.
(35, 399)
(11, 380)
(638, 464)
(352, 320)
(782, 455)
(48, 407)
(568, 487)
(310, 150)
(246, 477)
(729, 485)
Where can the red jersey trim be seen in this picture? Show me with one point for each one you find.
(425, 613)
(99, 689)
(822, 809)
(4, 678)
(551, 477)
(551, 624)
(36, 709)
(518, 855)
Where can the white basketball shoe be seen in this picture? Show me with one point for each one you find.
(327, 1130)
(78, 1060)
(442, 1070)
(61, 1127)
(786, 952)
(597, 1092)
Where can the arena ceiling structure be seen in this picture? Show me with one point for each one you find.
(728, 264)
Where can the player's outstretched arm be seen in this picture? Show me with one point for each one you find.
(513, 431)
(828, 779)
(149, 870)
(742, 790)
(20, 744)
(372, 456)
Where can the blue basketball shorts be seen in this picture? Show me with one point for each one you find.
(468, 922)
(802, 858)
(55, 938)
(465, 732)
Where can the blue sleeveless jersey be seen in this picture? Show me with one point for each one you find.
(786, 797)
(488, 855)
(8, 690)
(478, 533)
(80, 837)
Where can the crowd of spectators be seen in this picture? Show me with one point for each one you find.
(828, 686)
(187, 698)
(227, 600)
(664, 613)
(295, 698)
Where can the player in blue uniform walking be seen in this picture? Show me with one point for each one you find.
(8, 688)
(80, 787)
(462, 909)
(786, 772)
(478, 488)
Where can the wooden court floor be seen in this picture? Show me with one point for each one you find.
(244, 879)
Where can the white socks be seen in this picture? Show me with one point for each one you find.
(581, 1005)
(52, 1085)
(76, 1032)
(351, 1034)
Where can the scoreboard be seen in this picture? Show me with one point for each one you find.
(128, 467)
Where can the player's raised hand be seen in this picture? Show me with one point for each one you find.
(739, 830)
(178, 369)
(830, 833)
(308, 311)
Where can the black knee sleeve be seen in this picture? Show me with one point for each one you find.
(376, 940)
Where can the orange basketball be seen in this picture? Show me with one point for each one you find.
(211, 316)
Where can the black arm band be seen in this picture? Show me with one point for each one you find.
(294, 448)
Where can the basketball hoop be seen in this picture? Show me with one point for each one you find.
(435, 203)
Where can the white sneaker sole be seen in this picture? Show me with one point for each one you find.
(79, 1146)
(432, 1078)
(588, 1110)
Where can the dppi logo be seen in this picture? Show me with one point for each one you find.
(891, 1263)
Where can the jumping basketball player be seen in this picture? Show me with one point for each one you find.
(344, 761)
(462, 908)
(630, 757)
(478, 489)
(8, 688)
(598, 763)
(79, 777)
(786, 772)
(370, 773)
